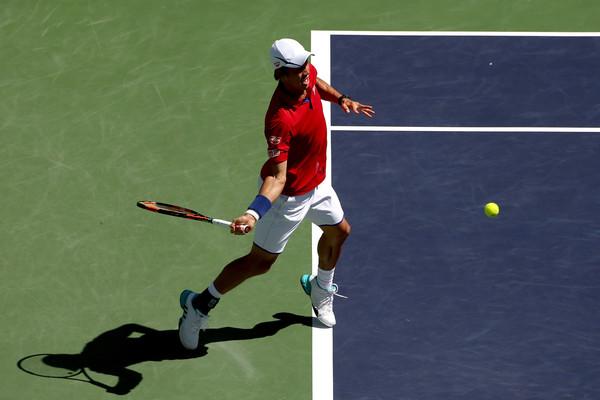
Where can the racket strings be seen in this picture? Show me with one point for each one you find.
(173, 209)
(178, 210)
(46, 365)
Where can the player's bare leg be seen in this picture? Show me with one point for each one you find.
(331, 243)
(257, 262)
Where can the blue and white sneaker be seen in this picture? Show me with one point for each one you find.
(191, 322)
(322, 299)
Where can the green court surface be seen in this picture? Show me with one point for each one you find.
(104, 103)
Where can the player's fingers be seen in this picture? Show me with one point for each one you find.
(358, 108)
(354, 107)
(234, 227)
(237, 230)
(367, 110)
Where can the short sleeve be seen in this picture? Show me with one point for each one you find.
(278, 141)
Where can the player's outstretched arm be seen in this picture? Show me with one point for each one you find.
(346, 103)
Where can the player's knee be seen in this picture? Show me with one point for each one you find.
(260, 263)
(343, 231)
(262, 267)
(336, 235)
(346, 230)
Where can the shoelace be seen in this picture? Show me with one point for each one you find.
(200, 322)
(326, 302)
(334, 289)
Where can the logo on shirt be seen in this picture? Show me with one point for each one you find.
(274, 153)
(274, 140)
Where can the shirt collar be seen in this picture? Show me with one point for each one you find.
(289, 99)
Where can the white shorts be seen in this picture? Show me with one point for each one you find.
(321, 206)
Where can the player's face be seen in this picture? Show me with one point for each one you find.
(296, 79)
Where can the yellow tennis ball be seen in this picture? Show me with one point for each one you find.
(491, 210)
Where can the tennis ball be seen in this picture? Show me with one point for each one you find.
(491, 210)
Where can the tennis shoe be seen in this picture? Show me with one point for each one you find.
(322, 299)
(191, 322)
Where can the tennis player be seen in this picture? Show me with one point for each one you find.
(291, 188)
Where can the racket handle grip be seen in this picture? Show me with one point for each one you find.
(227, 224)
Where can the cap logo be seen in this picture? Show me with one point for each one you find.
(277, 64)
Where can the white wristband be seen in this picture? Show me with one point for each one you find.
(253, 213)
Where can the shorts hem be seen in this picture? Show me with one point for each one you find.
(336, 224)
(263, 249)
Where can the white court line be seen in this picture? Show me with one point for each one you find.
(324, 35)
(463, 129)
(322, 339)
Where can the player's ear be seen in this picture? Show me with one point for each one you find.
(278, 73)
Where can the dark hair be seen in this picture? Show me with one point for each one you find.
(283, 71)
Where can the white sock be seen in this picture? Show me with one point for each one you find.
(325, 278)
(213, 291)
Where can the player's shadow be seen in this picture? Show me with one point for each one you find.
(114, 351)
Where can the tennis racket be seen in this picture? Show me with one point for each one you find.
(176, 211)
(60, 366)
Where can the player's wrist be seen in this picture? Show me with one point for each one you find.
(342, 98)
(253, 214)
(259, 207)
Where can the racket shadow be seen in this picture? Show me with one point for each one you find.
(114, 351)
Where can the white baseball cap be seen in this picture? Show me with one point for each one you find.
(288, 53)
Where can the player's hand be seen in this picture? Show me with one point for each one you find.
(354, 106)
(238, 223)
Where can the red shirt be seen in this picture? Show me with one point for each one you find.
(296, 131)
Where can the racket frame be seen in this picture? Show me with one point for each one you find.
(182, 212)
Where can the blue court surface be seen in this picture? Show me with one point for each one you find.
(444, 302)
(495, 81)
